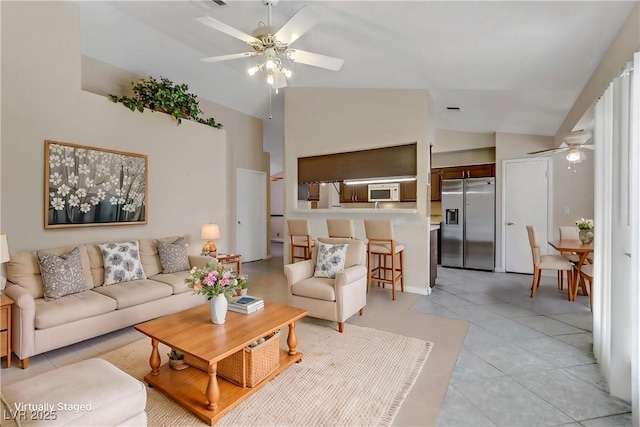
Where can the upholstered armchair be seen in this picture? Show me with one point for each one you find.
(334, 299)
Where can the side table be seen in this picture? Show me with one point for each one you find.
(5, 327)
(235, 259)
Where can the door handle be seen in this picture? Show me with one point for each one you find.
(509, 223)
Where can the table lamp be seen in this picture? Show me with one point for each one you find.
(4, 256)
(210, 232)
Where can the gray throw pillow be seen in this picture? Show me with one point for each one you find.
(121, 262)
(61, 275)
(173, 256)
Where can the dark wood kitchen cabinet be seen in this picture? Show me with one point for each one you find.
(354, 193)
(435, 185)
(433, 257)
(408, 191)
(314, 192)
(471, 171)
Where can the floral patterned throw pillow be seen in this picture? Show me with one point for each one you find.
(121, 262)
(173, 256)
(330, 260)
(61, 275)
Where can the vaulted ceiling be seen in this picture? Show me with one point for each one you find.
(511, 66)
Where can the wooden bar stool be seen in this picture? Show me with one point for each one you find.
(300, 238)
(382, 248)
(341, 228)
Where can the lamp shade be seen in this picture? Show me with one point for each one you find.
(210, 231)
(4, 247)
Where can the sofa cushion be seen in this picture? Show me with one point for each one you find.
(175, 280)
(315, 287)
(149, 255)
(136, 292)
(330, 260)
(24, 271)
(61, 275)
(121, 262)
(173, 256)
(71, 308)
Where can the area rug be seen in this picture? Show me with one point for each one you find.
(359, 377)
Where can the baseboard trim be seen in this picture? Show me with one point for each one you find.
(416, 290)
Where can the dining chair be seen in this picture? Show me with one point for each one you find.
(567, 232)
(341, 228)
(546, 262)
(380, 247)
(300, 238)
(586, 274)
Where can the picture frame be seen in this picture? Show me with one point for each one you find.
(90, 186)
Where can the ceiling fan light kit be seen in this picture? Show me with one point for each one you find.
(573, 144)
(575, 155)
(273, 44)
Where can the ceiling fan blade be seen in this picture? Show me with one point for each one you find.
(578, 137)
(549, 151)
(297, 25)
(228, 57)
(315, 59)
(227, 29)
(589, 146)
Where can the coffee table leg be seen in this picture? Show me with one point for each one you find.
(292, 339)
(213, 391)
(154, 360)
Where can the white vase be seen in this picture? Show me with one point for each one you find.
(218, 306)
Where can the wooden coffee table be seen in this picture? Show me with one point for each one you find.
(191, 332)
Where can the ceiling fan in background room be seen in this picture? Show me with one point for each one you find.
(574, 144)
(272, 45)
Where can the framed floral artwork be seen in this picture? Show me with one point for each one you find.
(89, 186)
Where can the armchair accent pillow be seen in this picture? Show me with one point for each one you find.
(61, 275)
(121, 262)
(173, 256)
(330, 260)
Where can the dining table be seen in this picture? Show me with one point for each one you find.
(583, 250)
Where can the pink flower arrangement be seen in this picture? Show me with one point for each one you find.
(214, 279)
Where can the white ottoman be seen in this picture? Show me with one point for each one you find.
(88, 393)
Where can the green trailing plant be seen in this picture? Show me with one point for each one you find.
(165, 96)
(175, 355)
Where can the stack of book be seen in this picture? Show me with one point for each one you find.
(246, 304)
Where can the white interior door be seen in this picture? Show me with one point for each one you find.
(251, 214)
(525, 201)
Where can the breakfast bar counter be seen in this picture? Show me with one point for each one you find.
(411, 227)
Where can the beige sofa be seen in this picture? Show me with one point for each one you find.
(39, 326)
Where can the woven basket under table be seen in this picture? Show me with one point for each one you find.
(249, 366)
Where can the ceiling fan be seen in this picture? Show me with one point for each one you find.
(573, 144)
(273, 45)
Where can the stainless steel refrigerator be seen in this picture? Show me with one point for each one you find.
(468, 223)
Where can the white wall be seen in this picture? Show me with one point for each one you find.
(323, 121)
(243, 132)
(452, 140)
(42, 99)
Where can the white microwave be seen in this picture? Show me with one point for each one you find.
(384, 192)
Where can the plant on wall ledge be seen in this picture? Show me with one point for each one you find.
(165, 96)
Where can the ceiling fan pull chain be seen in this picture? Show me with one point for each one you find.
(269, 86)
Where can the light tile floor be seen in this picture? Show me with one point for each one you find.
(525, 362)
